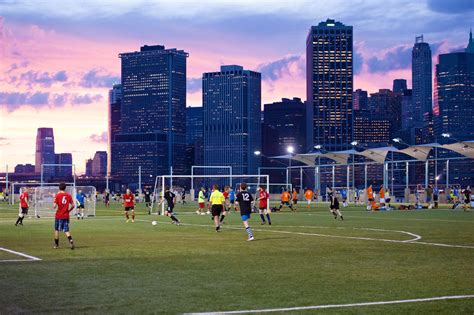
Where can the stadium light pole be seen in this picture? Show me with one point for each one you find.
(290, 149)
(354, 145)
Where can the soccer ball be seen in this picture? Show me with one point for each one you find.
(154, 222)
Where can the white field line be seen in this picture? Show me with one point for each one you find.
(315, 307)
(29, 257)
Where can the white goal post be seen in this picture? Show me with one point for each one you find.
(163, 180)
(44, 199)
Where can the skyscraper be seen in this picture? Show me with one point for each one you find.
(329, 84)
(115, 104)
(152, 115)
(232, 125)
(99, 164)
(360, 100)
(63, 170)
(283, 126)
(387, 105)
(454, 97)
(194, 137)
(45, 152)
(399, 85)
(421, 80)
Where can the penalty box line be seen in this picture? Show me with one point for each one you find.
(29, 257)
(327, 306)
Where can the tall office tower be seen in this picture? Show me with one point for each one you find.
(421, 80)
(407, 110)
(283, 126)
(152, 116)
(89, 167)
(45, 152)
(232, 118)
(115, 104)
(194, 137)
(386, 104)
(399, 85)
(454, 97)
(329, 83)
(63, 172)
(360, 100)
(99, 164)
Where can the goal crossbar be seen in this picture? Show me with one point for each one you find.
(163, 178)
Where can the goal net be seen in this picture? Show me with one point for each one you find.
(190, 185)
(44, 199)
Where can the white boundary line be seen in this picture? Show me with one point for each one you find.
(315, 307)
(30, 258)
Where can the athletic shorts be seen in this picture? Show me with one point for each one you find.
(371, 199)
(24, 210)
(129, 208)
(61, 225)
(81, 206)
(466, 200)
(285, 203)
(232, 201)
(382, 200)
(216, 210)
(245, 217)
(428, 199)
(202, 205)
(262, 209)
(170, 209)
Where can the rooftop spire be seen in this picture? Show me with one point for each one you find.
(470, 45)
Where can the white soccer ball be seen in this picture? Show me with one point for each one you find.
(154, 222)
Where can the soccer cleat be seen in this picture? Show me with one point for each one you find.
(127, 221)
(56, 247)
(250, 239)
(133, 220)
(72, 245)
(198, 212)
(208, 212)
(263, 223)
(342, 219)
(178, 223)
(269, 223)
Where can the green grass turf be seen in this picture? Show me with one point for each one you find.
(126, 268)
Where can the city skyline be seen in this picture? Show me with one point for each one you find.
(41, 87)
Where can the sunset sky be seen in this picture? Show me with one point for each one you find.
(59, 58)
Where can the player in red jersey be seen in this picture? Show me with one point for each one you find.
(263, 204)
(129, 204)
(23, 206)
(63, 203)
(226, 203)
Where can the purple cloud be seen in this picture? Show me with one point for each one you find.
(275, 70)
(44, 79)
(451, 6)
(102, 138)
(95, 78)
(85, 99)
(194, 85)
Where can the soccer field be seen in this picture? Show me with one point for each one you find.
(304, 259)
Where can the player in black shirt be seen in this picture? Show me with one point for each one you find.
(170, 198)
(148, 200)
(334, 206)
(244, 201)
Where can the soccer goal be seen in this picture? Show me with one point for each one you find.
(44, 199)
(30, 188)
(191, 184)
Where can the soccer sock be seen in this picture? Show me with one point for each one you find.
(126, 215)
(268, 218)
(69, 238)
(263, 218)
(174, 218)
(249, 231)
(56, 241)
(21, 219)
(339, 212)
(133, 216)
(222, 218)
(18, 220)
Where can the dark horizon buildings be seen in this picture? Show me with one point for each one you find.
(232, 124)
(194, 137)
(152, 132)
(45, 152)
(329, 85)
(284, 126)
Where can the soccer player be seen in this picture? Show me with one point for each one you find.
(170, 198)
(183, 196)
(244, 203)
(370, 197)
(382, 197)
(262, 204)
(226, 203)
(147, 195)
(285, 200)
(63, 204)
(80, 198)
(24, 205)
(216, 201)
(467, 198)
(232, 199)
(429, 196)
(129, 205)
(201, 201)
(344, 197)
(107, 198)
(308, 195)
(334, 206)
(294, 199)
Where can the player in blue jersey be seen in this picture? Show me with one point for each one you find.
(80, 200)
(232, 199)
